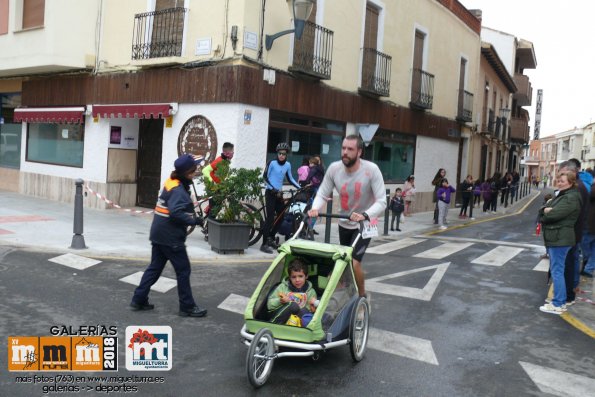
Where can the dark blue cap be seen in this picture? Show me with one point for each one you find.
(185, 163)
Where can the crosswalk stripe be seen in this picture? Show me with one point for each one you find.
(162, 285)
(442, 251)
(385, 341)
(483, 241)
(559, 383)
(402, 345)
(497, 256)
(393, 246)
(543, 265)
(74, 261)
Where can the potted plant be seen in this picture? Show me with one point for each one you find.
(229, 220)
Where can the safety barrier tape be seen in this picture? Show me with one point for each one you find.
(110, 202)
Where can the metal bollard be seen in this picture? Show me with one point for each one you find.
(386, 213)
(78, 240)
(327, 227)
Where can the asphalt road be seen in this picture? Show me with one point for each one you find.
(442, 326)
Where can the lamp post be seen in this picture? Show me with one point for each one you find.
(300, 10)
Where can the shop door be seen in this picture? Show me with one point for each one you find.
(150, 145)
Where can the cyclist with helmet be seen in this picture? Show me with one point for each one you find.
(276, 171)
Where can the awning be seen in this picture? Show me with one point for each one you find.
(50, 115)
(141, 110)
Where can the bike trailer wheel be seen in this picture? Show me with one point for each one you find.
(358, 329)
(259, 360)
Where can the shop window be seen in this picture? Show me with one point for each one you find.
(394, 154)
(10, 145)
(60, 144)
(306, 137)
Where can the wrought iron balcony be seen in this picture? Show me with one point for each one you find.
(491, 122)
(519, 129)
(465, 109)
(422, 89)
(375, 73)
(313, 53)
(158, 34)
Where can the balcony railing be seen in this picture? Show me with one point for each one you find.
(525, 91)
(158, 34)
(519, 129)
(375, 72)
(422, 89)
(313, 53)
(465, 109)
(491, 122)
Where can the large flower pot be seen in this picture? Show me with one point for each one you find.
(228, 238)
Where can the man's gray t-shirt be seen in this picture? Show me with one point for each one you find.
(360, 191)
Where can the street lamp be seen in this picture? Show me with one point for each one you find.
(504, 112)
(300, 10)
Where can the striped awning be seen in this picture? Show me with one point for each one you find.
(72, 115)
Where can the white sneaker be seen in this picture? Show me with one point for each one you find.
(549, 308)
(471, 219)
(443, 227)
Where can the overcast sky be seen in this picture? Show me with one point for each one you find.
(562, 33)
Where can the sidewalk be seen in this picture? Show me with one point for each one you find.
(45, 225)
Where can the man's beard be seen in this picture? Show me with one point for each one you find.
(347, 162)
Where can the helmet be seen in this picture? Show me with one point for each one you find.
(282, 146)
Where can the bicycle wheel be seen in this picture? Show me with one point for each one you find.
(256, 227)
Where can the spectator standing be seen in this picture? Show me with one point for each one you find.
(397, 206)
(303, 171)
(409, 194)
(476, 193)
(467, 196)
(545, 179)
(441, 174)
(558, 218)
(443, 194)
(486, 191)
(495, 188)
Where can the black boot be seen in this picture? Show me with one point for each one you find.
(265, 248)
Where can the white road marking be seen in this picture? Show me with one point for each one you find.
(559, 383)
(235, 303)
(402, 345)
(497, 256)
(162, 285)
(478, 240)
(543, 265)
(442, 251)
(74, 261)
(425, 293)
(393, 246)
(385, 341)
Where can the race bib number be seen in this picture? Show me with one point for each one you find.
(370, 228)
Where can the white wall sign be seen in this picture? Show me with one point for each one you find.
(203, 46)
(250, 40)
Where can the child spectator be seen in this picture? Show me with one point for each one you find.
(409, 194)
(294, 295)
(443, 196)
(477, 192)
(486, 192)
(397, 207)
(303, 171)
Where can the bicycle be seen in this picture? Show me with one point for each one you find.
(290, 198)
(200, 210)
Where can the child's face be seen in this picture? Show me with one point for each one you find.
(398, 193)
(445, 184)
(297, 279)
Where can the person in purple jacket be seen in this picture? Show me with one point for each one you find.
(443, 197)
